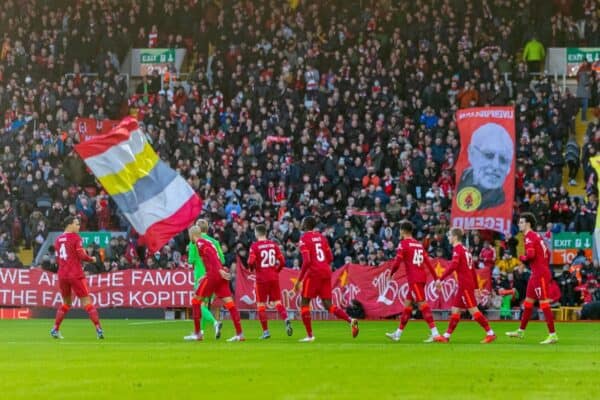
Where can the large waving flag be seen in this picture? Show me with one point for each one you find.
(156, 200)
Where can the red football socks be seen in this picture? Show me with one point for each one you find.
(454, 319)
(548, 316)
(235, 317)
(93, 313)
(281, 310)
(427, 315)
(527, 311)
(406, 314)
(305, 312)
(481, 320)
(262, 316)
(340, 313)
(196, 315)
(60, 315)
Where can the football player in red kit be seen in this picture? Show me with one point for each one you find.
(266, 260)
(413, 256)
(538, 258)
(462, 263)
(71, 280)
(315, 277)
(216, 281)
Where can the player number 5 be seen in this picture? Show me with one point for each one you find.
(320, 252)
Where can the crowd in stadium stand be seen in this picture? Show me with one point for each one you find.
(339, 109)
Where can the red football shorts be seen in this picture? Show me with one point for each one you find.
(68, 286)
(220, 287)
(317, 287)
(417, 292)
(465, 298)
(268, 291)
(537, 287)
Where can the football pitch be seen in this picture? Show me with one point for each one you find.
(142, 359)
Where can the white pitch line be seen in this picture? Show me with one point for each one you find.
(158, 322)
(99, 343)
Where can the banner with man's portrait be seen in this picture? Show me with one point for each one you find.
(485, 169)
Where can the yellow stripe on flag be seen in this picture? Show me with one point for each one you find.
(123, 181)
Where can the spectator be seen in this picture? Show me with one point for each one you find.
(584, 86)
(567, 283)
(520, 277)
(508, 263)
(534, 54)
(12, 261)
(487, 255)
(572, 159)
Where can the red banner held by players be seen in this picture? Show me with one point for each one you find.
(90, 127)
(380, 294)
(485, 169)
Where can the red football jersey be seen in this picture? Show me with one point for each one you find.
(411, 253)
(266, 259)
(69, 256)
(537, 254)
(210, 258)
(316, 255)
(462, 263)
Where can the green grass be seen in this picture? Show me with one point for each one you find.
(148, 360)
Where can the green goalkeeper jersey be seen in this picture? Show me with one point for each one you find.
(195, 259)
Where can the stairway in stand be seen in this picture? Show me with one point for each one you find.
(580, 128)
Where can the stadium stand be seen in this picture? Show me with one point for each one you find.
(340, 109)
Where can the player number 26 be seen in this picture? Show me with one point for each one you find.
(267, 258)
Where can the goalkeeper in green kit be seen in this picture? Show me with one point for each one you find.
(199, 272)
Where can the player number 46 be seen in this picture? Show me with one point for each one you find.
(418, 257)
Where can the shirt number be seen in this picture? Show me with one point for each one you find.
(268, 258)
(319, 251)
(62, 252)
(418, 257)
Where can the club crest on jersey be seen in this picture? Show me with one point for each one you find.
(468, 199)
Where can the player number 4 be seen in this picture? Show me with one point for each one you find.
(62, 252)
